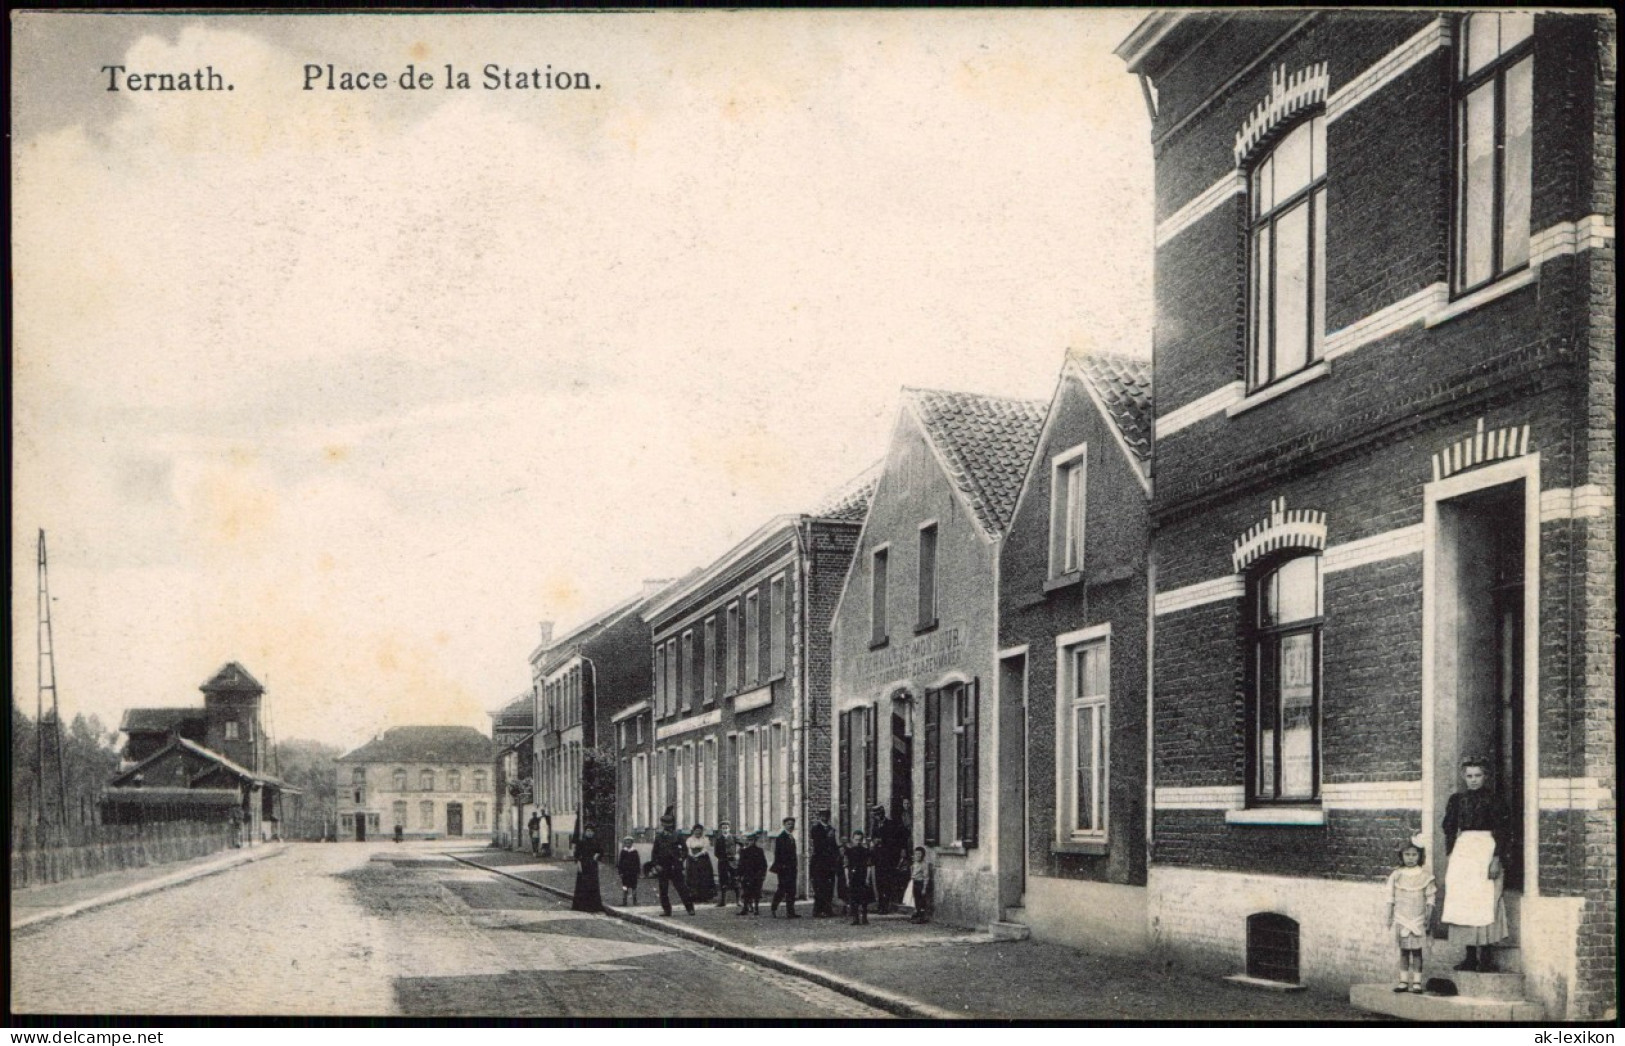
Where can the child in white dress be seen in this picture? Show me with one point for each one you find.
(1411, 894)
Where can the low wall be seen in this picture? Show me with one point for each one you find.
(43, 854)
(1098, 918)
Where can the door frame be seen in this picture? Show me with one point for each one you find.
(458, 809)
(1527, 469)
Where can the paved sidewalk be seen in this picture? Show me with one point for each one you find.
(36, 905)
(941, 972)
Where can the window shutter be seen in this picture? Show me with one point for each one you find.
(968, 808)
(843, 748)
(933, 743)
(871, 761)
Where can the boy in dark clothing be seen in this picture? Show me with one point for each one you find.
(752, 873)
(629, 865)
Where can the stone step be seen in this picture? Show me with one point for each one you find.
(1016, 914)
(1009, 931)
(1381, 998)
(1504, 986)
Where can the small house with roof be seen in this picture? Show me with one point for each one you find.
(431, 782)
(919, 729)
(1074, 601)
(190, 763)
(512, 766)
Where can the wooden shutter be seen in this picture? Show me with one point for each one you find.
(871, 762)
(933, 776)
(968, 795)
(843, 752)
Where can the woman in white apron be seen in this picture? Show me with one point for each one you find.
(1477, 830)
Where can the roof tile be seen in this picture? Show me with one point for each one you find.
(987, 442)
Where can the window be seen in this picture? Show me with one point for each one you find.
(425, 815)
(358, 777)
(685, 671)
(426, 781)
(479, 780)
(775, 624)
(1066, 517)
(877, 597)
(671, 676)
(928, 576)
(708, 788)
(640, 791)
(736, 750)
(753, 639)
(660, 680)
(1495, 73)
(966, 700)
(372, 822)
(231, 730)
(397, 811)
(454, 780)
(1285, 717)
(932, 767)
(729, 641)
(1081, 762)
(479, 815)
(1287, 263)
(709, 676)
(399, 779)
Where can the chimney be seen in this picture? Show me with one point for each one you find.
(547, 633)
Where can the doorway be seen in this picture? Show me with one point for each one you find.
(1479, 659)
(360, 827)
(901, 805)
(454, 819)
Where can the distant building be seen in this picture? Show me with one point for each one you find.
(512, 727)
(433, 782)
(1074, 600)
(208, 763)
(919, 727)
(736, 725)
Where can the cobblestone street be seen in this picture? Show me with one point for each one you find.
(382, 930)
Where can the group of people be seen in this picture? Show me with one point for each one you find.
(1477, 833)
(876, 869)
(701, 867)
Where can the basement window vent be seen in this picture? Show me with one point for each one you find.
(1272, 947)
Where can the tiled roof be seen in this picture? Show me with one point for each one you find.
(850, 501)
(157, 720)
(1123, 384)
(424, 744)
(987, 443)
(233, 676)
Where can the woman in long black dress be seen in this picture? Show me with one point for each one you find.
(698, 870)
(588, 896)
(860, 891)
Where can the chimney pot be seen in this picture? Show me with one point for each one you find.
(547, 632)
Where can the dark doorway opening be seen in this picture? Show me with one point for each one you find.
(1272, 947)
(454, 819)
(902, 772)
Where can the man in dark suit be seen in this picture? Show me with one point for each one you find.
(668, 862)
(784, 866)
(824, 866)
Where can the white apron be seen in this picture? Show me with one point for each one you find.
(1471, 897)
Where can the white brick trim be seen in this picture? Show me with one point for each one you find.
(1215, 591)
(1205, 203)
(694, 722)
(1575, 793)
(1372, 795)
(1406, 312)
(1388, 68)
(1391, 544)
(1289, 95)
(1214, 402)
(1481, 448)
(1589, 233)
(1219, 797)
(1587, 502)
(1282, 528)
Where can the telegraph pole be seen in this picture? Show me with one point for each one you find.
(47, 681)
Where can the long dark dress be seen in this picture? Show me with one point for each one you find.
(859, 887)
(588, 897)
(697, 870)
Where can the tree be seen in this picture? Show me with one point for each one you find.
(309, 766)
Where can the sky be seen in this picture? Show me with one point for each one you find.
(356, 388)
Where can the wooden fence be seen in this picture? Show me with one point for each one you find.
(42, 854)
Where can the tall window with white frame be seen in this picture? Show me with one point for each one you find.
(1495, 76)
(877, 597)
(730, 654)
(1287, 255)
(928, 578)
(1285, 721)
(1082, 711)
(753, 638)
(709, 657)
(776, 608)
(1068, 500)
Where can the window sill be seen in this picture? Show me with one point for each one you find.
(1284, 816)
(879, 644)
(1092, 848)
(1310, 373)
(951, 850)
(925, 626)
(1483, 296)
(1060, 581)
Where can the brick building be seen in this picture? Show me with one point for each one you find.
(915, 635)
(432, 782)
(512, 728)
(737, 724)
(1074, 600)
(1383, 510)
(209, 763)
(582, 681)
